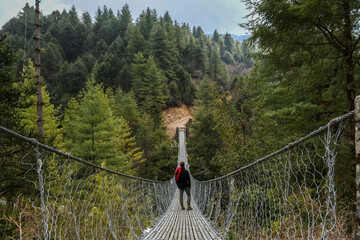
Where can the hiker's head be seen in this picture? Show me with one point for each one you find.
(182, 164)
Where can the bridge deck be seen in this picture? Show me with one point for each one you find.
(177, 224)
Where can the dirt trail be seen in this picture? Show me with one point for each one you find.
(176, 117)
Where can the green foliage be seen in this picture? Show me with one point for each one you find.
(9, 94)
(110, 70)
(52, 61)
(126, 146)
(203, 145)
(228, 58)
(137, 73)
(229, 42)
(125, 19)
(127, 108)
(153, 64)
(216, 37)
(222, 136)
(93, 133)
(306, 74)
(29, 114)
(107, 47)
(161, 162)
(149, 86)
(217, 68)
(160, 152)
(160, 47)
(205, 141)
(174, 95)
(146, 20)
(186, 86)
(136, 42)
(310, 37)
(13, 95)
(235, 123)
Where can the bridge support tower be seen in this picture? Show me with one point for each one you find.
(357, 149)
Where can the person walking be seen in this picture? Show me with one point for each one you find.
(182, 178)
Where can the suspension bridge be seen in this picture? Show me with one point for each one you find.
(288, 194)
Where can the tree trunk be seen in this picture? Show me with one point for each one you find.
(349, 61)
(39, 102)
(351, 93)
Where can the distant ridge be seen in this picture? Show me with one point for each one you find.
(239, 38)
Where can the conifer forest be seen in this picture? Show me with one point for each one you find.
(109, 77)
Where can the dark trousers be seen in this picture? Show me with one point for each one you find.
(187, 190)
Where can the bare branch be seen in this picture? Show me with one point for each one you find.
(331, 37)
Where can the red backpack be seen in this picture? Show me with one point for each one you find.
(177, 172)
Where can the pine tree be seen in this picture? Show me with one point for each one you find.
(186, 86)
(106, 26)
(126, 145)
(137, 73)
(147, 19)
(200, 55)
(145, 135)
(162, 161)
(125, 19)
(148, 84)
(216, 37)
(108, 71)
(229, 42)
(160, 47)
(215, 64)
(15, 27)
(29, 115)
(126, 107)
(70, 79)
(69, 124)
(69, 41)
(179, 39)
(174, 99)
(309, 32)
(203, 145)
(136, 42)
(51, 62)
(189, 53)
(197, 32)
(94, 138)
(154, 90)
(87, 20)
(167, 18)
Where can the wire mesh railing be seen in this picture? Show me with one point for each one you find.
(76, 199)
(289, 194)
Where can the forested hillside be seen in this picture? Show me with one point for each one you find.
(143, 65)
(116, 48)
(106, 82)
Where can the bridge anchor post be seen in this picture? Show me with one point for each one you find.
(357, 159)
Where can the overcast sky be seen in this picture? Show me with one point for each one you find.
(223, 15)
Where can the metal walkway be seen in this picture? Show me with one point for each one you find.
(177, 224)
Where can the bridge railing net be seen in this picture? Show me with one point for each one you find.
(79, 200)
(289, 194)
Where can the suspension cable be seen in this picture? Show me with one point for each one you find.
(67, 155)
(290, 145)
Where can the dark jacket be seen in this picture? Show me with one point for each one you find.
(183, 179)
